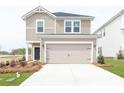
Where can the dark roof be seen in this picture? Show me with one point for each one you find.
(59, 14)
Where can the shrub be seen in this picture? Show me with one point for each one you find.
(2, 64)
(7, 63)
(23, 64)
(37, 66)
(120, 55)
(23, 58)
(34, 63)
(100, 59)
(19, 60)
(13, 63)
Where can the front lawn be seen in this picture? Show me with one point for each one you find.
(16, 82)
(117, 66)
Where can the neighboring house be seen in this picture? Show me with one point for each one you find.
(59, 37)
(110, 36)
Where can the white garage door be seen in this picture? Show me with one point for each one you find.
(68, 53)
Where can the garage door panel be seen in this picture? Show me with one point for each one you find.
(68, 53)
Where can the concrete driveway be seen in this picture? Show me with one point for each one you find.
(73, 74)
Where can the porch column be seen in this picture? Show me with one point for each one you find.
(31, 51)
(26, 51)
(41, 51)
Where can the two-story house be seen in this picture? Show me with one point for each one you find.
(59, 37)
(111, 36)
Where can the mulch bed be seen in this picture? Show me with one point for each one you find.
(103, 65)
(30, 67)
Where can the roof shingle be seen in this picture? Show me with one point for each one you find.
(63, 14)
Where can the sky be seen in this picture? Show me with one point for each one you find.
(12, 27)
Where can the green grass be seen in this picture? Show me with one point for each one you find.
(16, 82)
(117, 68)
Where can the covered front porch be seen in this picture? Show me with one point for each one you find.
(36, 51)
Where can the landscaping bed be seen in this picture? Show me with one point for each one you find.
(14, 72)
(103, 65)
(25, 67)
(20, 66)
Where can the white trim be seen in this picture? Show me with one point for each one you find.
(72, 26)
(55, 26)
(65, 26)
(26, 52)
(67, 42)
(40, 50)
(80, 18)
(32, 41)
(34, 52)
(31, 51)
(40, 20)
(35, 11)
(92, 52)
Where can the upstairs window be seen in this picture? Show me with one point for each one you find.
(72, 26)
(76, 26)
(68, 26)
(39, 26)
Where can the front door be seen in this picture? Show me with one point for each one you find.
(37, 53)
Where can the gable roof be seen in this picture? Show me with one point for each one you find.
(63, 14)
(110, 20)
(40, 9)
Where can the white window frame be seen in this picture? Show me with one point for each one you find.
(72, 26)
(65, 26)
(40, 20)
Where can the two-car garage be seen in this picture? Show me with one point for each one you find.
(68, 52)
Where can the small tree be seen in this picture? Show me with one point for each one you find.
(120, 55)
(100, 59)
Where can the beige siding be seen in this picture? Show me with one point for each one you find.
(31, 26)
(31, 35)
(50, 28)
(85, 26)
(59, 26)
